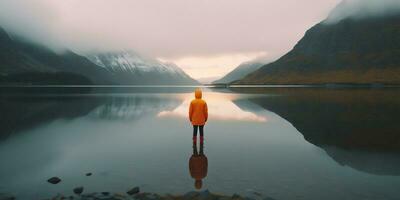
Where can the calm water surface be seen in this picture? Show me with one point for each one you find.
(300, 143)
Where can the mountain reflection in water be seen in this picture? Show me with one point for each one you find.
(134, 107)
(356, 127)
(270, 140)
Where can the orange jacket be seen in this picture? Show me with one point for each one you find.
(198, 111)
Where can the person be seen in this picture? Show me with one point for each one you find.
(198, 166)
(198, 115)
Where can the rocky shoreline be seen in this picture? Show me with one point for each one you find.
(193, 195)
(135, 194)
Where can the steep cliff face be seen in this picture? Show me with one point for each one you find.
(353, 50)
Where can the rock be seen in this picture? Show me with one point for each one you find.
(88, 174)
(133, 191)
(54, 180)
(105, 193)
(78, 190)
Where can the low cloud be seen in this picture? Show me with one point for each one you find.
(207, 38)
(34, 20)
(357, 9)
(167, 28)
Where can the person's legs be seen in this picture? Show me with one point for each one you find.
(201, 134)
(195, 153)
(201, 149)
(195, 133)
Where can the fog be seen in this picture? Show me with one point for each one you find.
(178, 28)
(170, 28)
(35, 20)
(207, 38)
(363, 8)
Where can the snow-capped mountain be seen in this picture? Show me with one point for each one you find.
(132, 68)
(23, 62)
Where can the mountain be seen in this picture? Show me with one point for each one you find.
(28, 63)
(240, 71)
(24, 62)
(132, 68)
(353, 50)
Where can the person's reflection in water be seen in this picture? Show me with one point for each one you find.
(198, 165)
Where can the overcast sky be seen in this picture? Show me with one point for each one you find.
(207, 38)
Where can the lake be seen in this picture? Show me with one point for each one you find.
(280, 143)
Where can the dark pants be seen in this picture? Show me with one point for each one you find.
(195, 127)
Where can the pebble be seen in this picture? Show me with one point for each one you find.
(54, 180)
(88, 174)
(135, 194)
(78, 190)
(133, 191)
(105, 193)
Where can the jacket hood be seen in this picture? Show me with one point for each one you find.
(198, 93)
